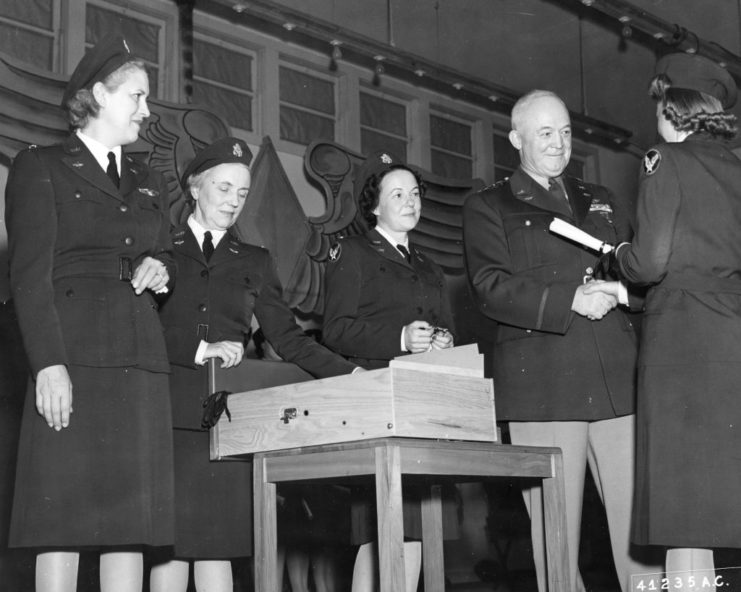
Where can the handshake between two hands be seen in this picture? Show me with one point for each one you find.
(595, 299)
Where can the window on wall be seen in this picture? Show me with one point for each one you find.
(27, 31)
(383, 125)
(507, 159)
(142, 35)
(450, 146)
(223, 81)
(307, 107)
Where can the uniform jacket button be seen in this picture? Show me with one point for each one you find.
(123, 208)
(202, 307)
(128, 241)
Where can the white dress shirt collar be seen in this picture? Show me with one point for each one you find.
(391, 240)
(100, 152)
(199, 231)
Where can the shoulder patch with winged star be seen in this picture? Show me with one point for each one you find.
(651, 161)
(335, 251)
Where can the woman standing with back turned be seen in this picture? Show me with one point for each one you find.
(687, 250)
(89, 244)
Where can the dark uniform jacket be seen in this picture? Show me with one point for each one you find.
(214, 301)
(548, 362)
(687, 248)
(371, 293)
(74, 238)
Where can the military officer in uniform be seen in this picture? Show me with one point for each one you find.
(385, 298)
(89, 244)
(222, 283)
(563, 357)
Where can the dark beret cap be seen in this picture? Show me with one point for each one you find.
(105, 58)
(695, 72)
(220, 151)
(377, 163)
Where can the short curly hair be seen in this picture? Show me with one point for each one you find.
(692, 110)
(369, 194)
(82, 106)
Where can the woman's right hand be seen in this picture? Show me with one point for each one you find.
(418, 336)
(54, 396)
(229, 352)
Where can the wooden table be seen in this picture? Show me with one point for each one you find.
(388, 459)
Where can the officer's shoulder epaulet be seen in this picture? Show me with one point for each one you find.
(496, 185)
(239, 245)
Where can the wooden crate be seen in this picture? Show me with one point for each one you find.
(439, 395)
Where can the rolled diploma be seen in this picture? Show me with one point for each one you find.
(577, 235)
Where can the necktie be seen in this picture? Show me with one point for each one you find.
(208, 245)
(112, 169)
(556, 189)
(403, 250)
(558, 192)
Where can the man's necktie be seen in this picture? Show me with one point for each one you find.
(403, 250)
(208, 245)
(556, 189)
(112, 169)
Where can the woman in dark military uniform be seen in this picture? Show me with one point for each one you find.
(88, 250)
(222, 282)
(687, 250)
(385, 298)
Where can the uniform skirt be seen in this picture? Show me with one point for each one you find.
(213, 501)
(688, 460)
(107, 479)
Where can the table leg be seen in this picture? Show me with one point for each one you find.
(266, 527)
(432, 540)
(390, 519)
(554, 510)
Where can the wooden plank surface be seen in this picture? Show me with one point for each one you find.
(390, 519)
(463, 360)
(338, 409)
(443, 406)
(432, 540)
(266, 530)
(495, 462)
(554, 516)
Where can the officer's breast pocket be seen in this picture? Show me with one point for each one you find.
(240, 291)
(80, 213)
(530, 242)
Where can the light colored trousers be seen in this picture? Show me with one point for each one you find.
(608, 448)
